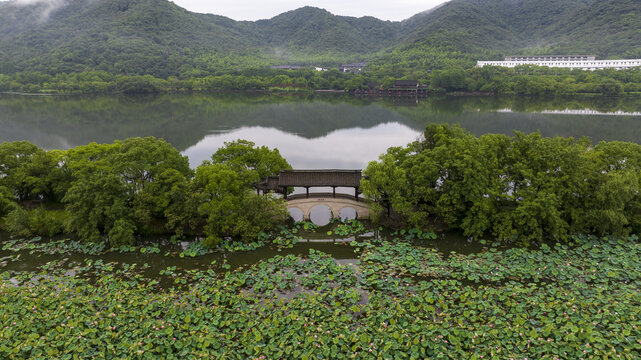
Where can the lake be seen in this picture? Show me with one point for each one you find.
(311, 131)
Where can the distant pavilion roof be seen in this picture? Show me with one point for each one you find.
(406, 83)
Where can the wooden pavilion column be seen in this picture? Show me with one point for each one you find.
(356, 193)
(334, 191)
(307, 189)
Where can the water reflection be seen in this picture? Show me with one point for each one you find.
(580, 112)
(182, 119)
(344, 131)
(320, 215)
(347, 213)
(296, 214)
(341, 149)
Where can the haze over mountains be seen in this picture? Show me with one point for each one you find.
(160, 38)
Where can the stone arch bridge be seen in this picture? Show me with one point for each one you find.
(318, 178)
(335, 204)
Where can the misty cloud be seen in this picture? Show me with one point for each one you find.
(44, 7)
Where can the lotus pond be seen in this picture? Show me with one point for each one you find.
(345, 291)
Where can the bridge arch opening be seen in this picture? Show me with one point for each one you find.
(296, 214)
(320, 215)
(347, 213)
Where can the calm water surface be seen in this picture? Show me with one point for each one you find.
(310, 131)
(339, 248)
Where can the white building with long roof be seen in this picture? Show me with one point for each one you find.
(582, 62)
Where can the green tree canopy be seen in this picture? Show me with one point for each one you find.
(228, 200)
(25, 169)
(6, 201)
(526, 186)
(125, 188)
(231, 207)
(250, 161)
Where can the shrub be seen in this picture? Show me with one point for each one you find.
(21, 222)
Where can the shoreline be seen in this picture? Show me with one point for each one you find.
(329, 91)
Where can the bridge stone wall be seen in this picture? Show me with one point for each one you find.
(335, 205)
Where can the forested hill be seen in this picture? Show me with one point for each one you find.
(316, 30)
(601, 27)
(122, 36)
(160, 38)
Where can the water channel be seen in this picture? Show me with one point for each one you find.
(311, 131)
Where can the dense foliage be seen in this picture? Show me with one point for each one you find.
(525, 187)
(402, 301)
(448, 77)
(24, 169)
(224, 181)
(136, 187)
(537, 81)
(100, 82)
(6, 201)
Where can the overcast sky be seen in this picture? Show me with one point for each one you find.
(264, 9)
(395, 10)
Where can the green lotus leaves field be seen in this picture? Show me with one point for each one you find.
(565, 301)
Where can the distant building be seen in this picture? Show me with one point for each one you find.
(582, 62)
(406, 84)
(287, 67)
(373, 85)
(552, 58)
(400, 88)
(354, 68)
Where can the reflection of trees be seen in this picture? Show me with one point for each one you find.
(185, 119)
(481, 115)
(458, 105)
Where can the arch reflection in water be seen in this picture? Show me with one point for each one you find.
(347, 213)
(320, 215)
(296, 214)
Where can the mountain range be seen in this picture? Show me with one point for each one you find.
(160, 38)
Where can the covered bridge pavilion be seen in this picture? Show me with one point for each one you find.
(311, 178)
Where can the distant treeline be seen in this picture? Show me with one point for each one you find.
(522, 80)
(100, 82)
(535, 80)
